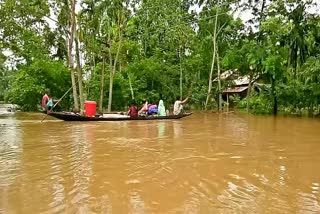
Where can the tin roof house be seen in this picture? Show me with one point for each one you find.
(237, 84)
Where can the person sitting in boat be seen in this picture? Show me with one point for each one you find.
(161, 109)
(50, 104)
(133, 110)
(152, 109)
(144, 110)
(178, 107)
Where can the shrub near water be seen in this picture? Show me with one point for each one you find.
(29, 82)
(258, 103)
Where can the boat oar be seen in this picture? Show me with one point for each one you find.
(59, 100)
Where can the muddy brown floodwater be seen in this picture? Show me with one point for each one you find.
(205, 163)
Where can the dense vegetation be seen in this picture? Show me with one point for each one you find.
(116, 51)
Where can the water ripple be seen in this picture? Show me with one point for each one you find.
(208, 163)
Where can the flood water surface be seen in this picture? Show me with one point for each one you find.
(205, 163)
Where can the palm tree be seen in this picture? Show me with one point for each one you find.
(298, 44)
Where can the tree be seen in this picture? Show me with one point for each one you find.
(218, 34)
(23, 32)
(110, 21)
(4, 77)
(72, 30)
(79, 70)
(28, 83)
(134, 49)
(214, 41)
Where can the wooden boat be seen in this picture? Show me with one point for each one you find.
(67, 116)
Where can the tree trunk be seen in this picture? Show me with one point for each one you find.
(73, 80)
(110, 91)
(79, 69)
(102, 86)
(93, 65)
(113, 72)
(260, 20)
(180, 73)
(212, 64)
(275, 101)
(219, 82)
(295, 58)
(249, 89)
(130, 85)
(289, 62)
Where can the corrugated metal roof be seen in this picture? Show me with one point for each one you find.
(242, 80)
(225, 75)
(235, 90)
(236, 78)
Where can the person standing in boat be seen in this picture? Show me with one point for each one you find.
(133, 110)
(47, 102)
(178, 107)
(45, 99)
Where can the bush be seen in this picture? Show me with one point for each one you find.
(234, 99)
(258, 103)
(29, 82)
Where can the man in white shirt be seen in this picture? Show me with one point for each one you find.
(177, 108)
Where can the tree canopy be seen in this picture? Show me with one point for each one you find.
(123, 50)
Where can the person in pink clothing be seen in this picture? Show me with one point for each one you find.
(45, 99)
(47, 102)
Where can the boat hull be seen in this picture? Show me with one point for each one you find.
(73, 117)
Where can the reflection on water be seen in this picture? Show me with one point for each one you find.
(10, 150)
(177, 129)
(10, 157)
(161, 129)
(206, 163)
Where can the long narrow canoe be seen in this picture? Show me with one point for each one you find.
(74, 117)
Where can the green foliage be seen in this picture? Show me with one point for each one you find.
(160, 40)
(150, 78)
(4, 78)
(304, 92)
(29, 82)
(259, 103)
(234, 99)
